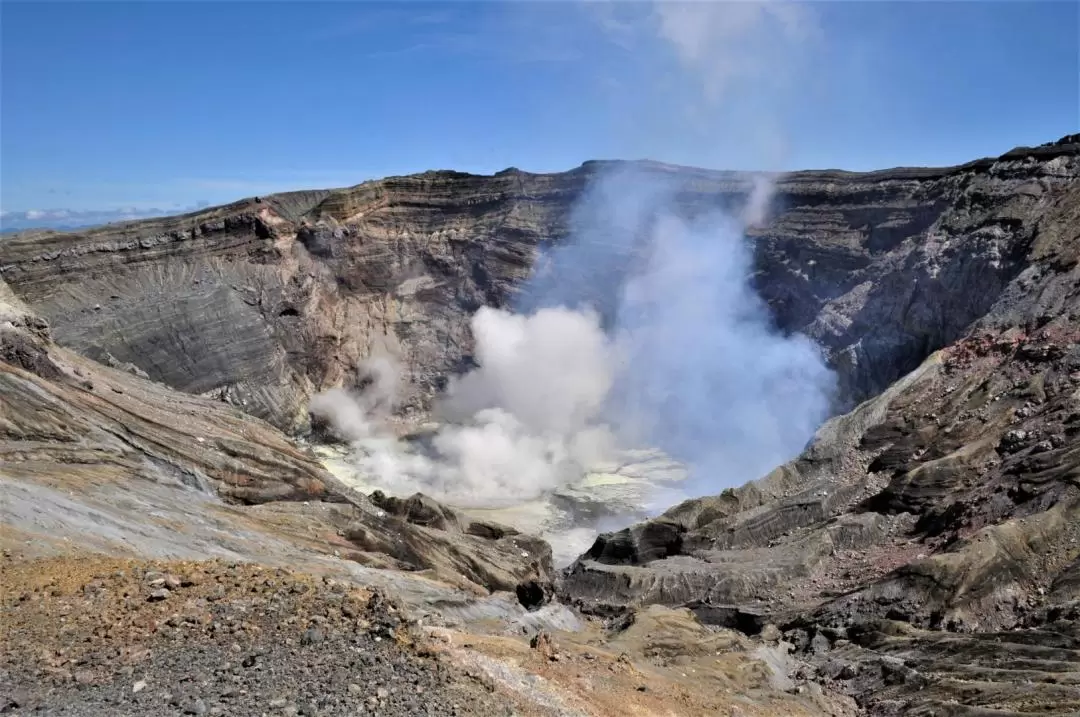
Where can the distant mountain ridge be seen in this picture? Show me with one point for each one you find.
(73, 219)
(265, 301)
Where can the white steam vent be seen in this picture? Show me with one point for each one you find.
(685, 360)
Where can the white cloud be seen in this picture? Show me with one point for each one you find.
(176, 196)
(704, 83)
(726, 42)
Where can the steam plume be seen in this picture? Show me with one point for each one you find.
(703, 374)
(643, 329)
(685, 359)
(526, 421)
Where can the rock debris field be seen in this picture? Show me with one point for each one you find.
(120, 637)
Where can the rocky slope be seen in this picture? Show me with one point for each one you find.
(925, 547)
(922, 556)
(76, 435)
(265, 301)
(97, 462)
(214, 639)
(90, 635)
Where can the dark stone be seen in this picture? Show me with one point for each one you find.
(733, 617)
(532, 594)
(195, 707)
(312, 636)
(30, 354)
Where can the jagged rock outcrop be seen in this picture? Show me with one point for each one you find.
(924, 549)
(263, 302)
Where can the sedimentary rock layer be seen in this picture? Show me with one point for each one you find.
(267, 300)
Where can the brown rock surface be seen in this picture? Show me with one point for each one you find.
(87, 637)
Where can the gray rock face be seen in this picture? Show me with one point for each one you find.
(74, 432)
(262, 303)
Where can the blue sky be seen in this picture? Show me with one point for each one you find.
(163, 105)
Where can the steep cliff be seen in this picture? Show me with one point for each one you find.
(266, 301)
(117, 462)
(924, 548)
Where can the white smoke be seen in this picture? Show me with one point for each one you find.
(703, 374)
(725, 43)
(705, 82)
(345, 412)
(528, 418)
(551, 370)
(643, 329)
(525, 421)
(689, 362)
(756, 210)
(355, 415)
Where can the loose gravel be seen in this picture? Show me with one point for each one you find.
(114, 637)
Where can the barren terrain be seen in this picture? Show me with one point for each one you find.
(171, 547)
